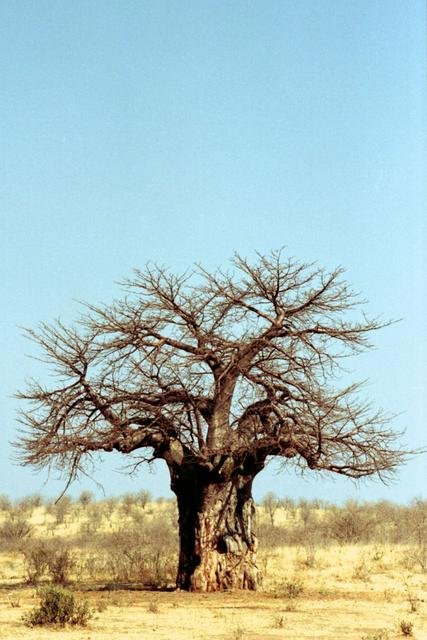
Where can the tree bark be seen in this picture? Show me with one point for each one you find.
(218, 544)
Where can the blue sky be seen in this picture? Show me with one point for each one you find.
(183, 131)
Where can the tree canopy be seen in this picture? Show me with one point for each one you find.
(212, 368)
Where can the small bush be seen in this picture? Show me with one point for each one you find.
(29, 503)
(290, 589)
(413, 599)
(35, 561)
(146, 554)
(279, 622)
(271, 537)
(406, 628)
(362, 571)
(382, 634)
(58, 607)
(293, 588)
(153, 607)
(238, 633)
(53, 558)
(85, 498)
(306, 557)
(14, 600)
(271, 503)
(14, 531)
(144, 498)
(5, 503)
(60, 509)
(351, 523)
(389, 595)
(61, 562)
(101, 605)
(416, 557)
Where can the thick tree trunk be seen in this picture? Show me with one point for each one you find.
(216, 527)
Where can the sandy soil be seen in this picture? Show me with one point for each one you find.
(360, 592)
(353, 612)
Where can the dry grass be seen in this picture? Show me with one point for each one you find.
(131, 615)
(359, 592)
(339, 600)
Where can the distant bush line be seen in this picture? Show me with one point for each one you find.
(134, 539)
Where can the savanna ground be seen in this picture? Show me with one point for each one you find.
(358, 571)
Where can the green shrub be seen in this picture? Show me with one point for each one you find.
(58, 606)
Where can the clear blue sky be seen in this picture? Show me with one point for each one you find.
(181, 131)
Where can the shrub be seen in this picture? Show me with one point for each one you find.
(60, 509)
(416, 557)
(351, 523)
(406, 628)
(306, 557)
(128, 501)
(293, 588)
(238, 633)
(58, 606)
(101, 605)
(14, 531)
(14, 600)
(85, 498)
(35, 561)
(54, 558)
(29, 503)
(362, 571)
(153, 607)
(143, 498)
(279, 622)
(417, 522)
(271, 537)
(93, 522)
(412, 598)
(5, 503)
(271, 503)
(61, 562)
(145, 554)
(382, 634)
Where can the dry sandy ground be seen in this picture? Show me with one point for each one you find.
(141, 615)
(350, 592)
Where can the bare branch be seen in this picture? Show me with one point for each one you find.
(210, 367)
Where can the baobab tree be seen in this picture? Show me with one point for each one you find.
(215, 373)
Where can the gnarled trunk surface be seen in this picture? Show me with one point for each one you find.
(218, 544)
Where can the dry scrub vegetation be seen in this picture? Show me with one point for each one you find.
(357, 571)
